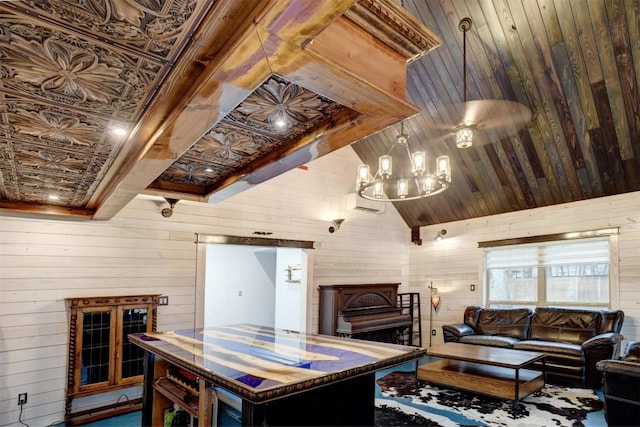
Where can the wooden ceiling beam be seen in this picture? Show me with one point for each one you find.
(202, 90)
(32, 210)
(303, 41)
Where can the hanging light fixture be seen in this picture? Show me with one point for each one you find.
(392, 183)
(497, 116)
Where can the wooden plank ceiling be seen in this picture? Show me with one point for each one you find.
(574, 63)
(199, 85)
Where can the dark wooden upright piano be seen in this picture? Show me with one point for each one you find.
(364, 311)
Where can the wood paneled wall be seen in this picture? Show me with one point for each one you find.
(140, 251)
(456, 262)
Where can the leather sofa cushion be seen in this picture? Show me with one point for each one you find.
(564, 373)
(550, 347)
(563, 325)
(610, 321)
(505, 322)
(490, 340)
(471, 314)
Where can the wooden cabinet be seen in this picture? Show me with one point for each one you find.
(168, 387)
(101, 358)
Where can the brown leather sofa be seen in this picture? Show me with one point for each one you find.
(574, 341)
(621, 387)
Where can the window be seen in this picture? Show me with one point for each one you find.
(563, 274)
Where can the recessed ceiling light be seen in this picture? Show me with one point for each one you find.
(209, 170)
(54, 197)
(119, 131)
(280, 123)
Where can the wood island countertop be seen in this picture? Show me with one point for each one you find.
(261, 363)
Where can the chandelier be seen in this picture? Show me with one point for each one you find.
(389, 186)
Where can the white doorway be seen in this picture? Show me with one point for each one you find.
(255, 284)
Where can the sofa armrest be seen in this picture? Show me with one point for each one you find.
(621, 367)
(632, 352)
(601, 347)
(454, 331)
(606, 339)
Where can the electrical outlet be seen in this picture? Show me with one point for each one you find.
(22, 398)
(433, 332)
(163, 300)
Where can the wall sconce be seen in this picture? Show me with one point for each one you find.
(167, 212)
(290, 271)
(440, 235)
(336, 225)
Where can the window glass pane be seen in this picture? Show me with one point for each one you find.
(95, 348)
(512, 257)
(513, 284)
(510, 306)
(578, 283)
(133, 321)
(588, 252)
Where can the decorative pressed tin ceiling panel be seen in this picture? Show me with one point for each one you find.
(274, 114)
(71, 71)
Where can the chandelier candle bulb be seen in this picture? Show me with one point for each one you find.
(444, 167)
(378, 190)
(363, 174)
(403, 188)
(384, 166)
(418, 161)
(428, 185)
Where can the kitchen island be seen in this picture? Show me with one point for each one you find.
(278, 377)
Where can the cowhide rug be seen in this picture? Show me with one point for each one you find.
(401, 401)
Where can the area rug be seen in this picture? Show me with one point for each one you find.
(402, 401)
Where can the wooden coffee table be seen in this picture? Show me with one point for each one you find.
(497, 372)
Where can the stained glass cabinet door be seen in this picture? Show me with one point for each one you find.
(133, 319)
(96, 343)
(101, 358)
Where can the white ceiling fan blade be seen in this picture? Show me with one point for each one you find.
(495, 114)
(473, 113)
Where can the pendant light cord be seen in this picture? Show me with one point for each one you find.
(464, 26)
(264, 52)
(464, 67)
